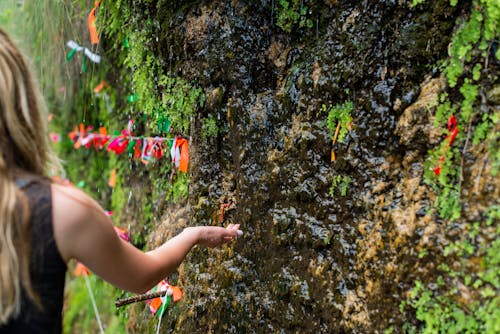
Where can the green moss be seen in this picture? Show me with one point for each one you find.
(119, 195)
(443, 310)
(161, 97)
(340, 182)
(463, 67)
(180, 187)
(339, 113)
(180, 102)
(293, 14)
(163, 101)
(470, 93)
(209, 128)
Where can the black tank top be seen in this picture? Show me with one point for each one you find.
(47, 268)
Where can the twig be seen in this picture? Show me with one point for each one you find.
(336, 133)
(139, 298)
(334, 141)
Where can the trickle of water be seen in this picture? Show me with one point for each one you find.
(129, 197)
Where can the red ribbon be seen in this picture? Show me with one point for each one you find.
(124, 234)
(118, 145)
(137, 149)
(452, 134)
(452, 126)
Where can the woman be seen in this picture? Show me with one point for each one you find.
(43, 225)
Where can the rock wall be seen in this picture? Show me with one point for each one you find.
(311, 260)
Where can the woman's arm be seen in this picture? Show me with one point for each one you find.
(83, 231)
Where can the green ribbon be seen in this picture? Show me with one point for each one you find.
(163, 124)
(84, 65)
(84, 62)
(71, 54)
(132, 98)
(130, 147)
(164, 305)
(126, 44)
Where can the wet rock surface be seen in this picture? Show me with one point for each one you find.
(311, 260)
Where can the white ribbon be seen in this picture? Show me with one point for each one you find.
(175, 153)
(92, 56)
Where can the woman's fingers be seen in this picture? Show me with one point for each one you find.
(215, 236)
(234, 231)
(233, 226)
(239, 232)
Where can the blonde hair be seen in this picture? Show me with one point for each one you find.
(24, 150)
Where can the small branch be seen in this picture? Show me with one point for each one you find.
(334, 141)
(139, 298)
(336, 133)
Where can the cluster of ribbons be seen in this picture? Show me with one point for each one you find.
(160, 304)
(75, 47)
(94, 39)
(452, 134)
(143, 148)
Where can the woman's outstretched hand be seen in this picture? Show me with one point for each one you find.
(113, 259)
(213, 236)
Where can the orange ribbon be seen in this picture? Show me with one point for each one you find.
(184, 160)
(112, 179)
(103, 84)
(156, 303)
(94, 36)
(81, 270)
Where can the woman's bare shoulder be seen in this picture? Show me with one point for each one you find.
(73, 212)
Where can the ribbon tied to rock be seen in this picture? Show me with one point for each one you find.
(75, 47)
(452, 134)
(143, 148)
(180, 153)
(94, 36)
